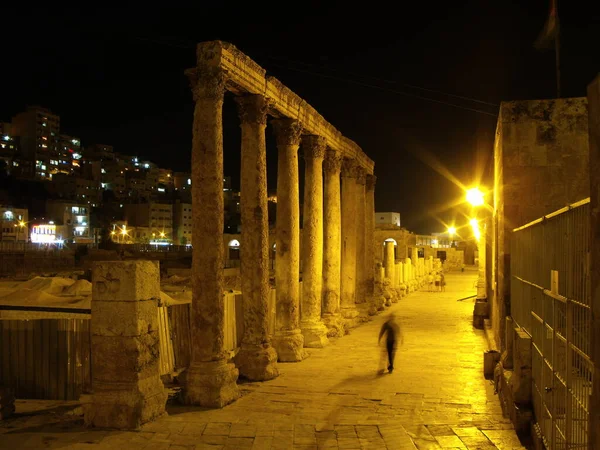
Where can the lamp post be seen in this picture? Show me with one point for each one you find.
(475, 197)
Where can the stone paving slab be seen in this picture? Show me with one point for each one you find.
(436, 398)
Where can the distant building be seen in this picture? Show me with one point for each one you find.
(38, 130)
(182, 223)
(76, 188)
(157, 217)
(73, 216)
(14, 224)
(182, 181)
(387, 218)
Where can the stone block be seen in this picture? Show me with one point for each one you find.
(509, 332)
(125, 408)
(125, 281)
(125, 359)
(490, 359)
(124, 318)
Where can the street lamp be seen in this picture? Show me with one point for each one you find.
(475, 196)
(451, 231)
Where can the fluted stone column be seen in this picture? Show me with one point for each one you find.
(369, 240)
(361, 247)
(332, 244)
(313, 329)
(210, 379)
(389, 261)
(288, 339)
(415, 265)
(257, 359)
(349, 231)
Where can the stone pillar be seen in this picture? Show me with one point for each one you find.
(313, 329)
(389, 262)
(369, 240)
(361, 247)
(593, 94)
(288, 339)
(415, 265)
(127, 389)
(349, 231)
(332, 243)
(210, 379)
(257, 359)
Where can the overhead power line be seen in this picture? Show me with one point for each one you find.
(188, 44)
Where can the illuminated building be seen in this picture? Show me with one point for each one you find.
(14, 224)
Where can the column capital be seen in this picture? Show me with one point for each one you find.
(371, 180)
(208, 84)
(253, 108)
(314, 146)
(352, 169)
(362, 176)
(287, 131)
(333, 161)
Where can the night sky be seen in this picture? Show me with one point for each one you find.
(386, 77)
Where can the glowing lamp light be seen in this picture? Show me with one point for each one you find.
(162, 234)
(475, 197)
(451, 231)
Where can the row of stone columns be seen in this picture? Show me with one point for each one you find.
(337, 261)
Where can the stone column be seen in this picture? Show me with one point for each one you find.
(210, 379)
(313, 329)
(415, 265)
(349, 231)
(288, 339)
(332, 243)
(257, 359)
(125, 345)
(593, 94)
(369, 240)
(389, 261)
(361, 247)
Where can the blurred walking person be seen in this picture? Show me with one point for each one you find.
(391, 330)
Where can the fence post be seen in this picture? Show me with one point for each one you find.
(593, 94)
(126, 385)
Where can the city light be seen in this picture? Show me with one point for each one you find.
(475, 197)
(451, 231)
(124, 230)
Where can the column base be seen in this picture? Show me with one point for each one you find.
(289, 345)
(125, 406)
(257, 362)
(350, 316)
(211, 384)
(334, 325)
(315, 334)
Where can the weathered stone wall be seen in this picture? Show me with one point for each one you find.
(594, 141)
(541, 164)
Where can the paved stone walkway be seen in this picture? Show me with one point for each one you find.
(436, 397)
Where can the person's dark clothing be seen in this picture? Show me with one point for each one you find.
(392, 332)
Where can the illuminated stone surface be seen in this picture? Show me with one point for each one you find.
(436, 397)
(288, 340)
(374, 303)
(332, 243)
(350, 172)
(313, 329)
(126, 384)
(210, 380)
(361, 271)
(257, 359)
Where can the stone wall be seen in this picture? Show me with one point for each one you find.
(541, 164)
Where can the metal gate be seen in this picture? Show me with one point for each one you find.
(550, 300)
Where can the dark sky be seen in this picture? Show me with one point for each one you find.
(115, 76)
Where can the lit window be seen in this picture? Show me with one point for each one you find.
(102, 170)
(190, 181)
(44, 124)
(6, 138)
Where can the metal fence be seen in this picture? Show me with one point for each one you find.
(550, 300)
